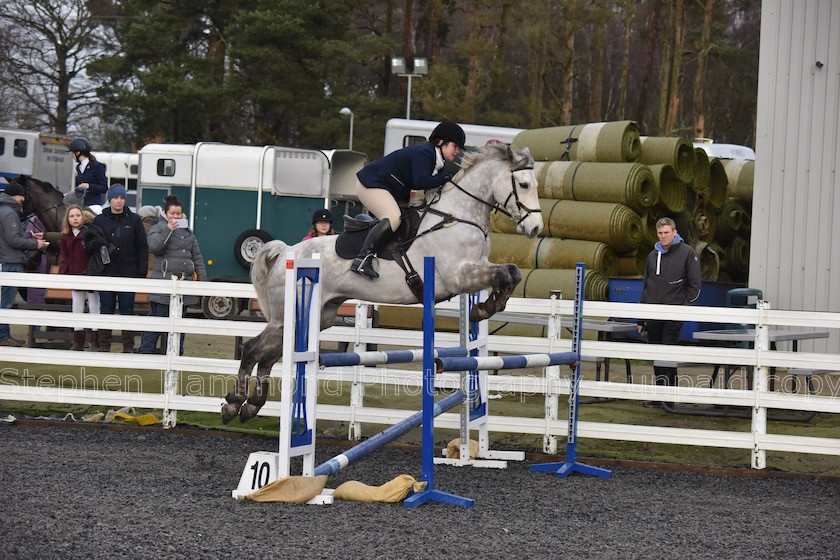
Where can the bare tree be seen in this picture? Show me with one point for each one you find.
(50, 42)
(702, 52)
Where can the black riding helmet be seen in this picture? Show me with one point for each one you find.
(321, 215)
(449, 131)
(80, 145)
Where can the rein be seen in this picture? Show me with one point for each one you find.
(501, 207)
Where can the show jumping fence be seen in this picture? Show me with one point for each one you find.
(15, 385)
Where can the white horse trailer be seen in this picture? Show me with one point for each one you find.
(239, 197)
(39, 155)
(400, 133)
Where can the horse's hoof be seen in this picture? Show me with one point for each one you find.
(247, 412)
(479, 313)
(229, 412)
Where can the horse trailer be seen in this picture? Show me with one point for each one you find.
(238, 197)
(400, 133)
(40, 155)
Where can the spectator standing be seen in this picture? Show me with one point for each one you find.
(176, 253)
(128, 259)
(13, 243)
(90, 174)
(672, 277)
(321, 224)
(74, 260)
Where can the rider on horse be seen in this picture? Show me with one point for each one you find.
(389, 180)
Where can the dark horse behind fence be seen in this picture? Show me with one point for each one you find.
(46, 202)
(497, 178)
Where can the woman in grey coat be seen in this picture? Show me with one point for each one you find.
(176, 253)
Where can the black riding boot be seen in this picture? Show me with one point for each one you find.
(376, 238)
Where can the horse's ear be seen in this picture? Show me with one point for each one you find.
(520, 158)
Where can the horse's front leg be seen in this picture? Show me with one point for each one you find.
(257, 399)
(253, 351)
(501, 279)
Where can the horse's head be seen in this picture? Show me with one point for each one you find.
(515, 191)
(43, 200)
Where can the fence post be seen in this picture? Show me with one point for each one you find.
(760, 378)
(357, 388)
(173, 350)
(552, 374)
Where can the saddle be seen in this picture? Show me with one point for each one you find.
(350, 242)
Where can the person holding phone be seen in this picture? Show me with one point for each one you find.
(176, 253)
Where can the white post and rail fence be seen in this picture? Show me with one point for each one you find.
(185, 390)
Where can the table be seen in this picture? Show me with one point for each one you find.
(730, 336)
(605, 328)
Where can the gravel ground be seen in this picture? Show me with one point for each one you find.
(98, 493)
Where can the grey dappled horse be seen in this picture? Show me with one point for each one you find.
(495, 176)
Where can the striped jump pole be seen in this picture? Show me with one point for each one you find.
(505, 362)
(571, 464)
(384, 357)
(428, 460)
(386, 436)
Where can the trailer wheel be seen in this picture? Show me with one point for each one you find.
(219, 307)
(247, 244)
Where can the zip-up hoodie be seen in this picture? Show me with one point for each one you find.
(12, 240)
(672, 276)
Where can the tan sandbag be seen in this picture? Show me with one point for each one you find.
(616, 141)
(292, 489)
(392, 491)
(453, 449)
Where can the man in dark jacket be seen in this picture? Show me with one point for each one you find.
(129, 259)
(672, 276)
(12, 244)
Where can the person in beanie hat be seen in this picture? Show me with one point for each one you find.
(13, 242)
(129, 259)
(321, 224)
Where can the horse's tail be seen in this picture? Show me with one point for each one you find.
(261, 268)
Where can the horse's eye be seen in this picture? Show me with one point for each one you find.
(523, 185)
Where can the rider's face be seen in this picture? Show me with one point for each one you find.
(449, 150)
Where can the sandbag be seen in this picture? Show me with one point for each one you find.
(616, 142)
(550, 252)
(291, 489)
(677, 152)
(631, 184)
(453, 449)
(393, 491)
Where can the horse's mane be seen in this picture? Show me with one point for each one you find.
(491, 152)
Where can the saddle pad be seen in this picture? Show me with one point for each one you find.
(349, 243)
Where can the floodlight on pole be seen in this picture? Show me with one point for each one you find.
(346, 111)
(420, 67)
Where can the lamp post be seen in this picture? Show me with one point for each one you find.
(346, 111)
(420, 68)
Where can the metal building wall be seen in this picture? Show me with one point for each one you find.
(795, 240)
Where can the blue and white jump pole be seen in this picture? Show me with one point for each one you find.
(571, 464)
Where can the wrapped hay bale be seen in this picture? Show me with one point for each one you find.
(718, 183)
(631, 184)
(549, 252)
(672, 191)
(677, 152)
(616, 142)
(611, 223)
(538, 283)
(740, 174)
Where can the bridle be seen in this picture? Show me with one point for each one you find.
(502, 208)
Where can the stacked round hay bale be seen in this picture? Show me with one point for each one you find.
(734, 218)
(592, 190)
